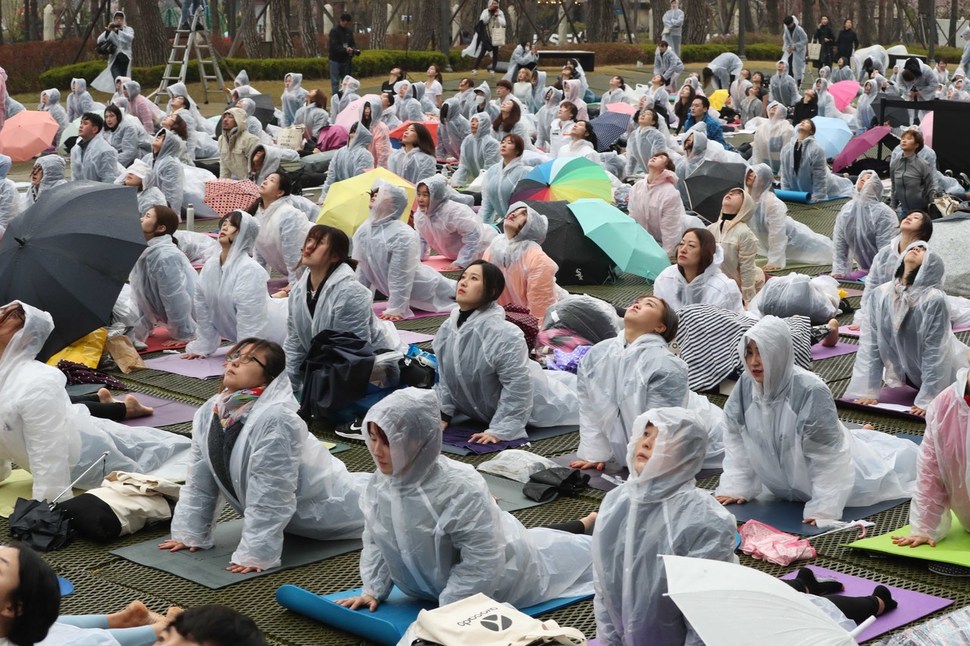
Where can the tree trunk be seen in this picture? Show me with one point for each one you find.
(808, 20)
(750, 24)
(724, 16)
(280, 30)
(247, 34)
(308, 33)
(423, 25)
(863, 22)
(215, 19)
(773, 17)
(151, 43)
(378, 24)
(599, 21)
(527, 17)
(696, 21)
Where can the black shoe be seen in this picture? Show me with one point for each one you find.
(882, 592)
(819, 587)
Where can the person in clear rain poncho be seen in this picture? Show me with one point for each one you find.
(546, 115)
(389, 255)
(199, 122)
(350, 161)
(794, 47)
(125, 137)
(864, 226)
(782, 435)
(50, 102)
(771, 137)
(782, 87)
(484, 368)
(501, 179)
(449, 227)
(312, 115)
(55, 440)
(9, 197)
(432, 528)
(696, 276)
(803, 167)
(644, 142)
(251, 449)
(119, 63)
(79, 100)
(453, 129)
(48, 171)
(370, 117)
(738, 243)
(293, 97)
(348, 93)
(907, 334)
(781, 238)
(146, 111)
(478, 151)
(231, 301)
(415, 159)
(282, 228)
(167, 173)
(659, 510)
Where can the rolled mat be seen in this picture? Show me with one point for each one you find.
(799, 197)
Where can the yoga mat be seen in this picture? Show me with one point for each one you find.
(821, 352)
(408, 337)
(167, 412)
(80, 390)
(157, 339)
(67, 588)
(380, 306)
(455, 437)
(912, 605)
(386, 625)
(844, 330)
(274, 285)
(851, 292)
(208, 368)
(334, 447)
(892, 400)
(787, 516)
(799, 197)
(954, 548)
(19, 484)
(437, 262)
(596, 479)
(208, 567)
(508, 493)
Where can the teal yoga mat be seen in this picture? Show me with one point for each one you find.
(787, 516)
(389, 622)
(208, 567)
(799, 197)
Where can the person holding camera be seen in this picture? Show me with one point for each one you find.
(342, 52)
(492, 21)
(115, 42)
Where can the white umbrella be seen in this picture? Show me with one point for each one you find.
(731, 605)
(70, 130)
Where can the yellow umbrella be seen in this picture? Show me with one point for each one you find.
(348, 202)
(718, 99)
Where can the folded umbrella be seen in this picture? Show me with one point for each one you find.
(27, 134)
(858, 146)
(708, 185)
(622, 238)
(398, 132)
(580, 260)
(351, 112)
(348, 202)
(564, 178)
(70, 254)
(609, 126)
(832, 134)
(843, 92)
(227, 195)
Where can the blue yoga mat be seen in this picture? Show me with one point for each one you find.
(800, 197)
(67, 588)
(787, 516)
(391, 619)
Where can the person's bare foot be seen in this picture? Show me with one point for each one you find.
(134, 408)
(589, 520)
(134, 615)
(105, 396)
(161, 622)
(832, 338)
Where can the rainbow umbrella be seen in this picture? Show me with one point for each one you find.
(347, 204)
(564, 178)
(843, 92)
(718, 99)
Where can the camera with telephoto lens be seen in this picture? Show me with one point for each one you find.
(355, 52)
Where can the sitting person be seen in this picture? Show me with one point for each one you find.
(696, 277)
(581, 142)
(530, 274)
(251, 449)
(231, 301)
(510, 122)
(147, 112)
(9, 197)
(123, 136)
(282, 228)
(50, 102)
(907, 334)
(350, 161)
(166, 172)
(479, 152)
(545, 116)
(414, 160)
(293, 97)
(449, 227)
(807, 107)
(502, 178)
(782, 433)
(235, 144)
(370, 118)
(162, 281)
(864, 225)
(803, 167)
(453, 129)
(738, 242)
(433, 529)
(92, 157)
(566, 117)
(58, 441)
(655, 203)
(330, 297)
(699, 115)
(658, 510)
(772, 137)
(644, 142)
(313, 116)
(388, 253)
(48, 171)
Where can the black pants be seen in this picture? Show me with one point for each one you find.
(570, 526)
(120, 66)
(493, 50)
(114, 411)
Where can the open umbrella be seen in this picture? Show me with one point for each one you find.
(718, 98)
(226, 195)
(621, 237)
(843, 92)
(708, 185)
(27, 134)
(896, 116)
(351, 112)
(348, 202)
(733, 605)
(564, 178)
(398, 132)
(858, 146)
(580, 260)
(832, 135)
(621, 107)
(265, 110)
(926, 127)
(609, 126)
(69, 254)
(67, 133)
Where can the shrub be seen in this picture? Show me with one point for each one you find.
(25, 62)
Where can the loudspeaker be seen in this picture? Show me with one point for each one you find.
(950, 119)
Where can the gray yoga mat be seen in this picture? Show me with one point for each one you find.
(508, 493)
(208, 567)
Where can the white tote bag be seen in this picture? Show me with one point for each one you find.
(814, 51)
(291, 137)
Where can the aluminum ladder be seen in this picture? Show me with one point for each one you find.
(194, 39)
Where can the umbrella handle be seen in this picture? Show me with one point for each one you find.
(103, 458)
(861, 627)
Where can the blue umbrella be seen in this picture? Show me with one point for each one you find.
(621, 237)
(831, 134)
(609, 127)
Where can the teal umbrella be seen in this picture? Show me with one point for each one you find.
(621, 237)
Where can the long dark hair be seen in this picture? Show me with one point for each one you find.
(116, 111)
(492, 278)
(425, 140)
(179, 127)
(286, 185)
(925, 231)
(217, 625)
(589, 134)
(336, 239)
(37, 598)
(506, 124)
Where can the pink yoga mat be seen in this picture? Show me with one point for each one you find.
(166, 412)
(208, 368)
(850, 292)
(156, 341)
(409, 337)
(912, 605)
(820, 352)
(437, 262)
(380, 306)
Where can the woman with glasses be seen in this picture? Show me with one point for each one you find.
(250, 447)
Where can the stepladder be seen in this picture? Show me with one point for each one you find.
(192, 43)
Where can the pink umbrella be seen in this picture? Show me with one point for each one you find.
(621, 107)
(351, 114)
(926, 127)
(858, 146)
(27, 134)
(843, 92)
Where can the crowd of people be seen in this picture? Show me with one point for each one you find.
(632, 381)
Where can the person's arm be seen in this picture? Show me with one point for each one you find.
(45, 435)
(171, 180)
(820, 169)
(207, 338)
(597, 410)
(443, 387)
(296, 344)
(404, 258)
(893, 198)
(671, 221)
(868, 367)
(937, 345)
(473, 528)
(739, 480)
(508, 356)
(541, 282)
(825, 444)
(293, 230)
(199, 499)
(470, 230)
(129, 147)
(251, 302)
(776, 220)
(929, 511)
(840, 242)
(172, 281)
(374, 573)
(747, 253)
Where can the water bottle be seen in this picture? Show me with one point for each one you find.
(189, 217)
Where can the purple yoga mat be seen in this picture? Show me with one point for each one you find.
(820, 352)
(459, 434)
(380, 306)
(166, 412)
(845, 331)
(275, 284)
(912, 605)
(894, 400)
(208, 368)
(408, 337)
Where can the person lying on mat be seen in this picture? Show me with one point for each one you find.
(250, 447)
(782, 433)
(697, 277)
(484, 370)
(433, 529)
(449, 227)
(941, 472)
(56, 440)
(907, 334)
(658, 510)
(621, 377)
(530, 274)
(231, 301)
(863, 226)
(388, 253)
(162, 281)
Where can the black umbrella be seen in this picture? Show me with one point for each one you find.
(895, 115)
(265, 110)
(70, 254)
(580, 260)
(609, 127)
(708, 185)
(42, 525)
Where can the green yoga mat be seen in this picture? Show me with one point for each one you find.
(508, 493)
(20, 484)
(954, 548)
(208, 567)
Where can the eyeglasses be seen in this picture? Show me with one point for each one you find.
(243, 359)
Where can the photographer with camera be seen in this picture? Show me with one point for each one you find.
(342, 51)
(115, 41)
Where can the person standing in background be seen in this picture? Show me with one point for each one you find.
(342, 50)
(493, 36)
(673, 20)
(794, 46)
(826, 37)
(847, 41)
(119, 36)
